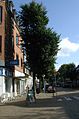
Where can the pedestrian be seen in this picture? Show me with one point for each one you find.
(37, 85)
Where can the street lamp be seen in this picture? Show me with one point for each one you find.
(44, 82)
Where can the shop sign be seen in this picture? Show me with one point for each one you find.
(14, 62)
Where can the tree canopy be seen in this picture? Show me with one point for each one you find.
(41, 42)
(66, 71)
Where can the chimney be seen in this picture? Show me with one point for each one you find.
(14, 13)
(11, 5)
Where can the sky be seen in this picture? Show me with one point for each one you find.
(64, 19)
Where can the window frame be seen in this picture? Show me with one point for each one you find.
(21, 62)
(1, 14)
(17, 39)
(17, 58)
(0, 44)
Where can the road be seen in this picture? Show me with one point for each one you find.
(63, 106)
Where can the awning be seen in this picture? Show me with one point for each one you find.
(21, 77)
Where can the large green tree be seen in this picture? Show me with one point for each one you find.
(49, 49)
(66, 71)
(41, 42)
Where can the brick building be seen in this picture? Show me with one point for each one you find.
(12, 75)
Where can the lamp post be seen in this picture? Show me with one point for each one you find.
(44, 82)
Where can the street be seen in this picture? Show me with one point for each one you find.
(63, 106)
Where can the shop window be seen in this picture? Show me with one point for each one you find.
(0, 14)
(0, 44)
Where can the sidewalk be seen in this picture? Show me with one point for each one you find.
(15, 99)
(38, 96)
(45, 107)
(42, 96)
(22, 99)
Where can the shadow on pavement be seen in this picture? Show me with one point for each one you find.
(47, 102)
(39, 103)
(49, 107)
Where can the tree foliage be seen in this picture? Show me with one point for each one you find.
(41, 42)
(66, 71)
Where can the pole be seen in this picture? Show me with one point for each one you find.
(44, 86)
(55, 85)
(44, 83)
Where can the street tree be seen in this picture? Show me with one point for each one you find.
(41, 42)
(66, 71)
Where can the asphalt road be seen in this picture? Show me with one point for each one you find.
(63, 106)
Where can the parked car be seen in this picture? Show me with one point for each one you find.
(67, 85)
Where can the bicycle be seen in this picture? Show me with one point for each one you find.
(30, 96)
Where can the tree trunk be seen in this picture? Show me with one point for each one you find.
(34, 85)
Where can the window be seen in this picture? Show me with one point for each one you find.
(0, 44)
(17, 58)
(0, 14)
(21, 62)
(17, 39)
(13, 43)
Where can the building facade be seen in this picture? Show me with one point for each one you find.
(12, 73)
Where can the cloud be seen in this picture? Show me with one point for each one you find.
(67, 47)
